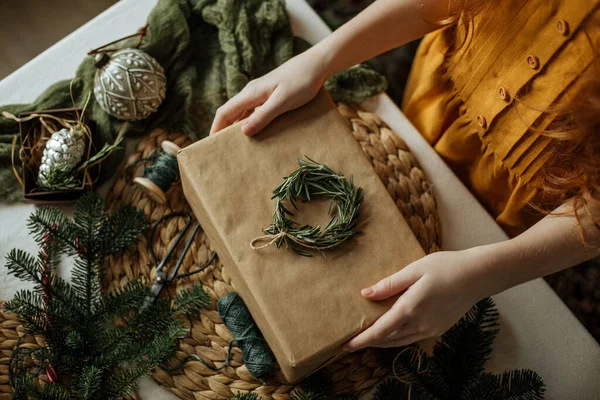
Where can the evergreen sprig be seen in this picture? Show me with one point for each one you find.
(99, 343)
(58, 179)
(456, 368)
(311, 180)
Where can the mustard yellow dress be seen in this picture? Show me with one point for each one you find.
(481, 105)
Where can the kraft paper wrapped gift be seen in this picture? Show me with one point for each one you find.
(306, 307)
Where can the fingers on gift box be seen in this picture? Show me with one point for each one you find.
(306, 307)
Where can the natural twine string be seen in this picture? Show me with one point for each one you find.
(274, 238)
(103, 49)
(419, 360)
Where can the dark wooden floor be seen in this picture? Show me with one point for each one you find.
(28, 27)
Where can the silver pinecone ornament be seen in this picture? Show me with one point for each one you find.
(62, 153)
(129, 84)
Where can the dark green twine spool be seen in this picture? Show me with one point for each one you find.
(163, 171)
(257, 355)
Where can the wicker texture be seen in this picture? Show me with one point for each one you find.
(10, 332)
(208, 336)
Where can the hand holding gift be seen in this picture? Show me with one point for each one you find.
(435, 292)
(275, 93)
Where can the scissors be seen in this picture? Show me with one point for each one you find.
(162, 278)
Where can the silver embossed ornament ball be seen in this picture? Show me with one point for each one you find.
(129, 84)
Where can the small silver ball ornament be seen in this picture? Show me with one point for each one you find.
(129, 84)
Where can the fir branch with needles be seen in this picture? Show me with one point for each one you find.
(311, 180)
(455, 370)
(98, 343)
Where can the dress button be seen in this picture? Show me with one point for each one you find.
(482, 121)
(504, 95)
(562, 27)
(533, 62)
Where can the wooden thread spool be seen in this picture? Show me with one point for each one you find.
(151, 188)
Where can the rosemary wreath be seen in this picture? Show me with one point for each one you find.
(311, 180)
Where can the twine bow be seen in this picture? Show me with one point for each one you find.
(284, 234)
(419, 371)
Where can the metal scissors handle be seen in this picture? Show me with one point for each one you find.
(162, 278)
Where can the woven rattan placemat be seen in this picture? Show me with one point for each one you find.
(208, 337)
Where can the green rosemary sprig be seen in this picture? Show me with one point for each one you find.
(311, 180)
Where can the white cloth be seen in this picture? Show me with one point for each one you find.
(537, 331)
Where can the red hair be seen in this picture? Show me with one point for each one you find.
(573, 171)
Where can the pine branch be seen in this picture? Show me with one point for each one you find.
(124, 379)
(124, 300)
(246, 396)
(191, 300)
(127, 346)
(463, 350)
(27, 305)
(67, 358)
(146, 320)
(456, 370)
(51, 221)
(103, 343)
(483, 386)
(49, 391)
(88, 219)
(391, 389)
(89, 383)
(318, 384)
(123, 382)
(419, 371)
(86, 282)
(121, 230)
(24, 266)
(298, 395)
(511, 385)
(65, 299)
(137, 337)
(307, 395)
(58, 179)
(522, 385)
(162, 347)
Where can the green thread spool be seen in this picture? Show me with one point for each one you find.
(161, 174)
(257, 355)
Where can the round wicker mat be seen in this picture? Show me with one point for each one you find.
(208, 336)
(10, 332)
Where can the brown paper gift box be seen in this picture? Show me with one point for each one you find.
(306, 307)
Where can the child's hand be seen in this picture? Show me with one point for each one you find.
(289, 86)
(438, 290)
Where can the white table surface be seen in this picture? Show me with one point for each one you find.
(537, 331)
